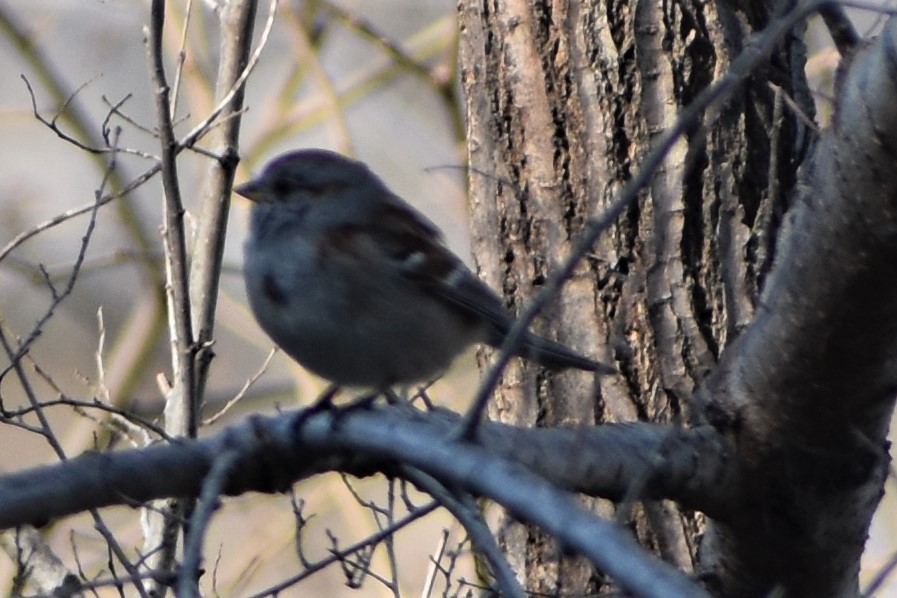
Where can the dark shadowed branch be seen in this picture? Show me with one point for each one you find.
(808, 391)
(277, 451)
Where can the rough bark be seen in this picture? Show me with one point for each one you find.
(562, 100)
(809, 389)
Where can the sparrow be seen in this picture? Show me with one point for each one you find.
(359, 287)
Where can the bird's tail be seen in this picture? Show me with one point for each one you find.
(556, 356)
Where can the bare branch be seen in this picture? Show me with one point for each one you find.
(188, 576)
(237, 22)
(15, 354)
(275, 452)
(840, 28)
(467, 513)
(807, 392)
(199, 130)
(37, 564)
(86, 209)
(242, 392)
(52, 123)
(337, 556)
(182, 407)
(182, 402)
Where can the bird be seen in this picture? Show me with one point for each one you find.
(359, 287)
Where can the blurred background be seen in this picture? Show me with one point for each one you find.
(375, 79)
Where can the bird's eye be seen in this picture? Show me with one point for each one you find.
(280, 187)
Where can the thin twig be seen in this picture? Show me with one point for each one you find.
(85, 209)
(119, 553)
(199, 130)
(334, 557)
(209, 500)
(242, 392)
(434, 568)
(15, 354)
(467, 514)
(182, 56)
(52, 123)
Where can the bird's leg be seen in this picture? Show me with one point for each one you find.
(393, 398)
(324, 402)
(365, 401)
(423, 396)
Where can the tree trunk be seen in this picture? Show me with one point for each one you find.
(563, 100)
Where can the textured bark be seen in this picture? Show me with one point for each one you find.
(563, 99)
(809, 389)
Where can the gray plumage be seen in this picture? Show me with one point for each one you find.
(358, 286)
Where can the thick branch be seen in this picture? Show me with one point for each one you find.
(632, 461)
(810, 388)
(275, 452)
(623, 461)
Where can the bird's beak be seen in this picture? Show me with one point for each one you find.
(251, 190)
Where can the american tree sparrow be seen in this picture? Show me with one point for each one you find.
(358, 286)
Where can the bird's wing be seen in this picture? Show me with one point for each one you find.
(416, 246)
